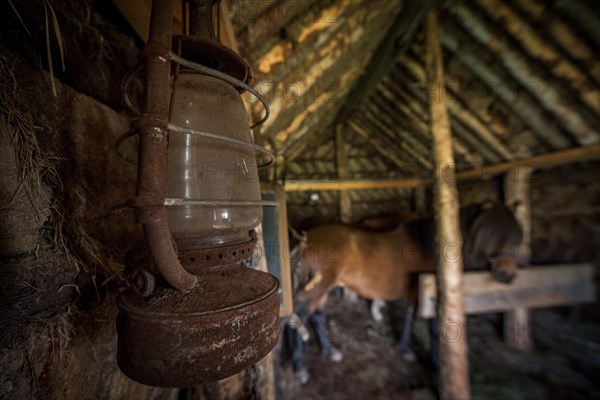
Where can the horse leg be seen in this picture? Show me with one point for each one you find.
(407, 326)
(296, 347)
(434, 348)
(376, 310)
(314, 293)
(350, 296)
(320, 326)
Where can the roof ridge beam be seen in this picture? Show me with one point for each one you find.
(396, 42)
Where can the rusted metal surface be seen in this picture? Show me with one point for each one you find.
(165, 259)
(142, 282)
(203, 45)
(152, 171)
(201, 18)
(214, 55)
(225, 324)
(197, 259)
(224, 317)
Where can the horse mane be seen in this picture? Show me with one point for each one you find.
(494, 231)
(487, 231)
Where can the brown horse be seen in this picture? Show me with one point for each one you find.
(385, 265)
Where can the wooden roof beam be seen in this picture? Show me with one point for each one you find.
(383, 146)
(458, 110)
(545, 53)
(584, 16)
(563, 34)
(417, 118)
(519, 100)
(549, 160)
(527, 74)
(396, 42)
(393, 130)
(293, 148)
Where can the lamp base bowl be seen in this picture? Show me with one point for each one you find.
(223, 326)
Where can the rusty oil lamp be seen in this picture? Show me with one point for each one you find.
(196, 314)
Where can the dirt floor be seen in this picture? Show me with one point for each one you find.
(372, 367)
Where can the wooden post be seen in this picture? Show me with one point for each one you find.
(262, 376)
(284, 252)
(342, 169)
(517, 195)
(536, 287)
(454, 370)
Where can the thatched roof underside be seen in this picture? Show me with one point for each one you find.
(523, 78)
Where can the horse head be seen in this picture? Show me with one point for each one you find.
(493, 241)
(504, 268)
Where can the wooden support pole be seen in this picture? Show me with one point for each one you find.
(517, 195)
(454, 367)
(409, 112)
(342, 169)
(262, 376)
(459, 111)
(396, 42)
(285, 269)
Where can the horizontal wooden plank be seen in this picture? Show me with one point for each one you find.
(534, 287)
(549, 160)
(318, 185)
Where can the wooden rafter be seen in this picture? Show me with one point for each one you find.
(413, 117)
(390, 130)
(385, 146)
(395, 43)
(529, 74)
(548, 160)
(520, 101)
(458, 110)
(544, 52)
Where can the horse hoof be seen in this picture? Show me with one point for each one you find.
(303, 376)
(335, 355)
(377, 310)
(377, 317)
(408, 355)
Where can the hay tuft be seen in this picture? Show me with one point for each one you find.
(58, 331)
(38, 170)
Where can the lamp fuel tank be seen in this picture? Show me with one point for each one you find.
(224, 325)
